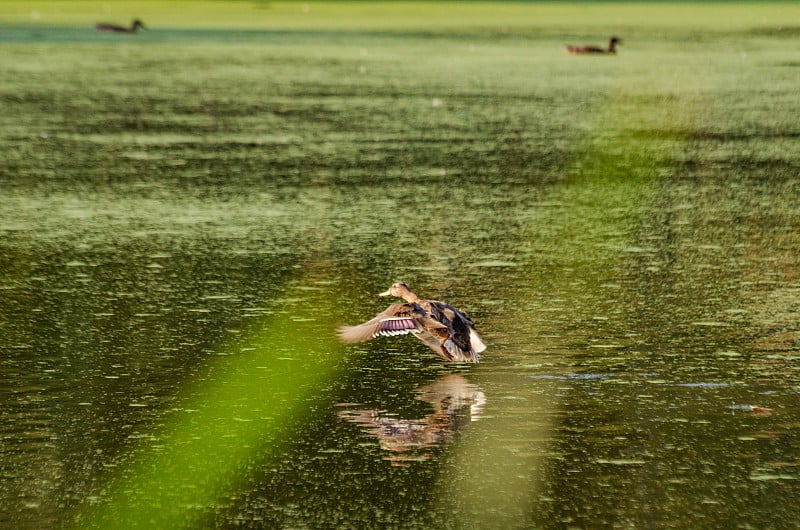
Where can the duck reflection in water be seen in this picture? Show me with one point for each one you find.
(455, 401)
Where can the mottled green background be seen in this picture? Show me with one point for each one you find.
(187, 213)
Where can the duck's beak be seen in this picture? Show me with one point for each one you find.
(385, 293)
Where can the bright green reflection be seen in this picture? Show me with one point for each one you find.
(245, 410)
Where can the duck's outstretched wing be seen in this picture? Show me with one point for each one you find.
(397, 319)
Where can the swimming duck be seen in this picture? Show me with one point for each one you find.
(113, 28)
(444, 329)
(580, 50)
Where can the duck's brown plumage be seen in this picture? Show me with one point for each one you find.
(443, 328)
(580, 50)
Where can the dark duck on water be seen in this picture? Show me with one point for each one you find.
(594, 50)
(114, 28)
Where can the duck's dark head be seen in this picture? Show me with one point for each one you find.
(137, 24)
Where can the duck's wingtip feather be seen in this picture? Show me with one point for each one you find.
(352, 334)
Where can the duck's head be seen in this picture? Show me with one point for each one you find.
(138, 24)
(400, 290)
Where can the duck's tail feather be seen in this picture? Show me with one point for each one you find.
(475, 341)
(455, 353)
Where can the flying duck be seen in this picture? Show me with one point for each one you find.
(444, 329)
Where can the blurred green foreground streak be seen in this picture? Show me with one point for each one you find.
(497, 478)
(244, 411)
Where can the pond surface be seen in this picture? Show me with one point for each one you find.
(172, 276)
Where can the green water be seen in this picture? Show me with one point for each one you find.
(186, 218)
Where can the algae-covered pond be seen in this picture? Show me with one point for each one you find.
(188, 213)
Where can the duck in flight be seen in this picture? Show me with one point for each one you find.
(113, 28)
(589, 50)
(444, 329)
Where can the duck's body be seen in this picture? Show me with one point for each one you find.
(444, 329)
(594, 50)
(113, 28)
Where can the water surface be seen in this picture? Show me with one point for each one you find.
(177, 250)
